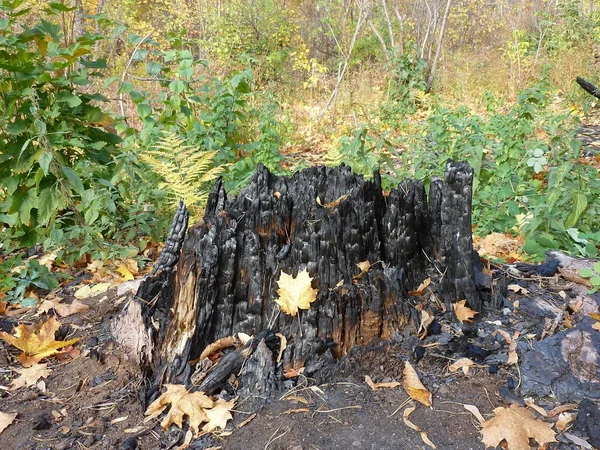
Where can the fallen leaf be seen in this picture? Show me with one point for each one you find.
(297, 399)
(462, 363)
(62, 309)
(295, 293)
(463, 312)
(426, 320)
(243, 337)
(582, 443)
(6, 419)
(413, 386)
(29, 376)
(575, 277)
(375, 386)
(517, 289)
(364, 268)
(219, 415)
(36, 341)
(293, 373)
(515, 425)
(186, 440)
(89, 291)
(497, 245)
(562, 408)
(513, 357)
(421, 289)
(282, 345)
(405, 415)
(541, 411)
(220, 344)
(475, 411)
(2, 304)
(334, 203)
(564, 419)
(183, 403)
(125, 273)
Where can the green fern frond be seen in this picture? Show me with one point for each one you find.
(186, 170)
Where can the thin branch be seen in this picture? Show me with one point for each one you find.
(380, 39)
(124, 74)
(438, 51)
(389, 23)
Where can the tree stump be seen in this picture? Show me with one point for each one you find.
(325, 220)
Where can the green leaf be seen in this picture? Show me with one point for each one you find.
(4, 22)
(153, 68)
(45, 161)
(580, 203)
(71, 99)
(144, 110)
(586, 273)
(597, 267)
(47, 206)
(177, 86)
(73, 179)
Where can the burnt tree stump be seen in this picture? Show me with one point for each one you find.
(326, 220)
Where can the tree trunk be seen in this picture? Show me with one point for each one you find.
(588, 87)
(325, 220)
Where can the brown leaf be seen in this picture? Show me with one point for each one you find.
(6, 419)
(405, 415)
(219, 415)
(375, 386)
(30, 376)
(36, 341)
(293, 372)
(62, 309)
(517, 289)
(296, 410)
(421, 289)
(364, 268)
(564, 419)
(462, 363)
(513, 357)
(575, 277)
(515, 425)
(225, 342)
(282, 345)
(295, 293)
(463, 312)
(2, 304)
(332, 204)
(475, 411)
(183, 403)
(413, 386)
(426, 320)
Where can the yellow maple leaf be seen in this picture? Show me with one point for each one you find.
(219, 414)
(295, 293)
(36, 341)
(463, 312)
(515, 425)
(413, 386)
(183, 403)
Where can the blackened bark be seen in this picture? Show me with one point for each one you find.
(588, 87)
(326, 220)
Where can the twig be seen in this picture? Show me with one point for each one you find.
(124, 74)
(272, 439)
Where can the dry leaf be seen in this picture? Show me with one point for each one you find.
(575, 277)
(562, 408)
(297, 399)
(186, 440)
(462, 363)
(517, 289)
(295, 293)
(426, 320)
(364, 268)
(219, 414)
(6, 419)
(89, 291)
(375, 386)
(183, 403)
(541, 411)
(36, 341)
(497, 245)
(513, 357)
(413, 386)
(515, 425)
(125, 273)
(30, 376)
(282, 345)
(407, 412)
(564, 419)
(2, 304)
(63, 310)
(475, 411)
(334, 203)
(220, 344)
(421, 289)
(463, 312)
(293, 373)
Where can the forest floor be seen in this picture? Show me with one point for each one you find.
(91, 399)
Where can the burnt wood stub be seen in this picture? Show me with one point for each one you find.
(326, 220)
